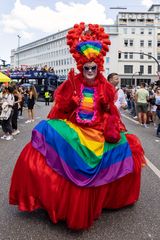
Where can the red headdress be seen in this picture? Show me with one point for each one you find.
(87, 44)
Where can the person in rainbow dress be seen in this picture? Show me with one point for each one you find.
(81, 159)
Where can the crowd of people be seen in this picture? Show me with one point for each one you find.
(44, 68)
(13, 99)
(143, 104)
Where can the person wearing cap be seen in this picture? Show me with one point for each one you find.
(81, 159)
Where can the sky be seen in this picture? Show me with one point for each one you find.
(35, 19)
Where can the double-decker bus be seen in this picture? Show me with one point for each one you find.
(42, 80)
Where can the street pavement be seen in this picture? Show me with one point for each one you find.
(138, 222)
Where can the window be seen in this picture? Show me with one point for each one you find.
(158, 56)
(126, 42)
(150, 21)
(149, 56)
(107, 71)
(119, 55)
(140, 20)
(131, 20)
(125, 55)
(125, 30)
(141, 56)
(133, 31)
(123, 20)
(141, 69)
(131, 42)
(141, 43)
(142, 31)
(130, 55)
(158, 43)
(107, 59)
(149, 69)
(128, 68)
(157, 16)
(149, 43)
(150, 31)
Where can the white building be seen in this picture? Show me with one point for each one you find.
(133, 35)
(139, 32)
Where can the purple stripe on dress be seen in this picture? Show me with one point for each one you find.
(105, 176)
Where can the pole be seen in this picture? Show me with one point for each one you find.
(19, 37)
(134, 74)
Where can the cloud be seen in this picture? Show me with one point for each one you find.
(26, 20)
(147, 3)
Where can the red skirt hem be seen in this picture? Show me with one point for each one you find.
(35, 185)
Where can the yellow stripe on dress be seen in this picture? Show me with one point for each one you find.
(88, 100)
(86, 136)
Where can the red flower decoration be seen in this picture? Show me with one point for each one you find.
(94, 32)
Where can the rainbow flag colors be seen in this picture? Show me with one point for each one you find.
(80, 154)
(89, 48)
(86, 112)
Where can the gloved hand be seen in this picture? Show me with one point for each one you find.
(111, 130)
(75, 100)
(104, 103)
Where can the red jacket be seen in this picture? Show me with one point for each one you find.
(67, 101)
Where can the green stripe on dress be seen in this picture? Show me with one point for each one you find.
(89, 156)
(65, 131)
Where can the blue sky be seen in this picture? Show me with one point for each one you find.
(34, 19)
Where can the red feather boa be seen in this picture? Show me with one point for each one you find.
(67, 99)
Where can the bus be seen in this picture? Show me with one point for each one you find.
(42, 80)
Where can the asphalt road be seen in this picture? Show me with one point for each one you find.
(139, 222)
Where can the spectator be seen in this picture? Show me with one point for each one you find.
(47, 97)
(6, 114)
(157, 101)
(141, 97)
(120, 102)
(31, 102)
(17, 100)
(21, 101)
(152, 106)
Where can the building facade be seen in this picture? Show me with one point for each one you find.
(139, 46)
(134, 51)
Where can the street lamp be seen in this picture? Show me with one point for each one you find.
(3, 62)
(139, 73)
(19, 37)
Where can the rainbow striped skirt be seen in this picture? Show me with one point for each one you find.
(80, 154)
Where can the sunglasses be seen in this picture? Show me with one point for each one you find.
(93, 68)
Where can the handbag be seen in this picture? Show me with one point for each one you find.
(6, 111)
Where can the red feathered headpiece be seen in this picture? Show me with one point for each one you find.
(87, 44)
